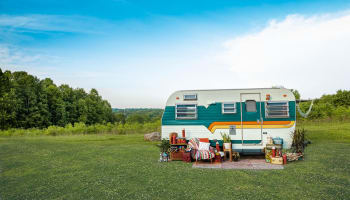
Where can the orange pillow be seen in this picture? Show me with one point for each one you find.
(204, 139)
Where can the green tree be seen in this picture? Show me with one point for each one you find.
(120, 118)
(27, 102)
(7, 102)
(31, 109)
(296, 94)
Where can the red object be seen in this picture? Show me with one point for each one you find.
(174, 139)
(176, 155)
(217, 146)
(217, 159)
(284, 159)
(273, 152)
(186, 157)
(204, 139)
(183, 133)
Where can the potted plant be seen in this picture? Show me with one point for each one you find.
(226, 140)
(164, 147)
(235, 156)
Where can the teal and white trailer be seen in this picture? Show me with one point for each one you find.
(249, 116)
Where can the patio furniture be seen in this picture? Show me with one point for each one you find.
(177, 151)
(198, 154)
(229, 151)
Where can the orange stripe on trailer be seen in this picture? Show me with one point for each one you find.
(250, 123)
(268, 124)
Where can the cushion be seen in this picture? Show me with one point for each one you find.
(204, 146)
(203, 139)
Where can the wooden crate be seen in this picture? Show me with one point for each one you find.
(277, 160)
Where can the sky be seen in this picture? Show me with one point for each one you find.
(136, 53)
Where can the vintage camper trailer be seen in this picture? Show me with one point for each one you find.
(249, 116)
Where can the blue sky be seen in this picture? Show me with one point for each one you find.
(135, 53)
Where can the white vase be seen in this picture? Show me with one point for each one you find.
(227, 145)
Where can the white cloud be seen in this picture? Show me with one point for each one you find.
(37, 23)
(11, 55)
(310, 54)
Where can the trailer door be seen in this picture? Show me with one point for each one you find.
(251, 120)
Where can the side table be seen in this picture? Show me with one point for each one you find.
(230, 153)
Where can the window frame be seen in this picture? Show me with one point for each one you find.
(279, 116)
(190, 99)
(195, 113)
(223, 107)
(246, 110)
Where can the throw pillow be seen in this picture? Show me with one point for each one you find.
(204, 146)
(204, 139)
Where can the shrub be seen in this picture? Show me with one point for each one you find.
(164, 146)
(298, 140)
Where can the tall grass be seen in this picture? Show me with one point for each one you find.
(81, 128)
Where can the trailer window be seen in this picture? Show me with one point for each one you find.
(276, 109)
(190, 97)
(186, 111)
(229, 108)
(250, 105)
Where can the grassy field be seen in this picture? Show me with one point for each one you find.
(126, 167)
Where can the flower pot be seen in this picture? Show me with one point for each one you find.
(235, 158)
(227, 145)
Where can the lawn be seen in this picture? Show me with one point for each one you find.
(126, 167)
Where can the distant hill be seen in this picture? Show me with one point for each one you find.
(140, 115)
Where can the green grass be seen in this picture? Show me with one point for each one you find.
(126, 167)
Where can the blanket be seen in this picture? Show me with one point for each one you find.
(196, 154)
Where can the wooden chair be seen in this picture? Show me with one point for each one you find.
(196, 154)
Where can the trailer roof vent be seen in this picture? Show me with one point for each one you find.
(190, 97)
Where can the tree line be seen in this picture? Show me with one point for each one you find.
(328, 107)
(138, 115)
(28, 102)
